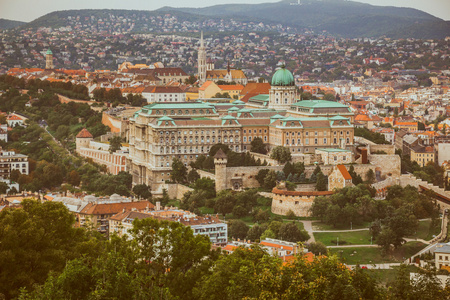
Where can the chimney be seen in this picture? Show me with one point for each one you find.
(364, 156)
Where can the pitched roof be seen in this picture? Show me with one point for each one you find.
(344, 172)
(220, 154)
(114, 208)
(84, 133)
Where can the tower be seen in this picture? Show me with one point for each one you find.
(201, 61)
(220, 164)
(83, 139)
(49, 59)
(282, 92)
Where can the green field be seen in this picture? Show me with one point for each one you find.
(388, 276)
(322, 226)
(425, 232)
(344, 238)
(373, 255)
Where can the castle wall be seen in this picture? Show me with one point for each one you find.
(409, 179)
(247, 174)
(389, 149)
(174, 190)
(299, 202)
(386, 164)
(206, 174)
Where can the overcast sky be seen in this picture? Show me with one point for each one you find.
(28, 10)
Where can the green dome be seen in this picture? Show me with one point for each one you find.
(283, 77)
(49, 51)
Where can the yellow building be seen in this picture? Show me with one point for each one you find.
(422, 155)
(208, 90)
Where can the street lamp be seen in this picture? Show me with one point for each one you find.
(351, 225)
(337, 241)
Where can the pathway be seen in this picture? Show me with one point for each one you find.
(308, 227)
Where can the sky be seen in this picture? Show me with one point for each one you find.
(28, 10)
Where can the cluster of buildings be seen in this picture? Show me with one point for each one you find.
(115, 215)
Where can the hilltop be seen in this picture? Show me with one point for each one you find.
(338, 17)
(8, 24)
(341, 18)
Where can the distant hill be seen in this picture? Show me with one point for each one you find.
(8, 24)
(338, 17)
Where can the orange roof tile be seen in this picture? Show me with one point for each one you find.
(344, 172)
(84, 133)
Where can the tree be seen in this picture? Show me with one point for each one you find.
(370, 175)
(317, 248)
(281, 154)
(257, 145)
(291, 232)
(261, 176)
(288, 169)
(14, 175)
(193, 176)
(207, 185)
(270, 181)
(238, 229)
(143, 191)
(256, 231)
(115, 143)
(31, 246)
(291, 215)
(74, 178)
(3, 187)
(179, 171)
(321, 182)
(225, 202)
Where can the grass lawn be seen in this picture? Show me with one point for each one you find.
(206, 210)
(323, 226)
(425, 232)
(345, 238)
(353, 256)
(387, 276)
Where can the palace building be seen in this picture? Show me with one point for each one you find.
(160, 132)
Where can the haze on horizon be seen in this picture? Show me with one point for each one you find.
(28, 10)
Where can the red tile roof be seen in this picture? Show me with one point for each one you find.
(344, 172)
(84, 133)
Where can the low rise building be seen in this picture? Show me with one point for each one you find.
(442, 255)
(210, 226)
(335, 156)
(10, 160)
(422, 155)
(339, 178)
(99, 152)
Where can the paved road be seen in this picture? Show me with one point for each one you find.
(417, 240)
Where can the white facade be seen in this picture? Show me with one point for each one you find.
(164, 97)
(443, 153)
(282, 97)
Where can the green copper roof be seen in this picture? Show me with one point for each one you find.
(238, 102)
(260, 97)
(228, 117)
(49, 51)
(283, 77)
(183, 105)
(319, 104)
(234, 108)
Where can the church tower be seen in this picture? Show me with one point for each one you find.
(201, 61)
(49, 59)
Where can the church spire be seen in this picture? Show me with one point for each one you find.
(201, 61)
